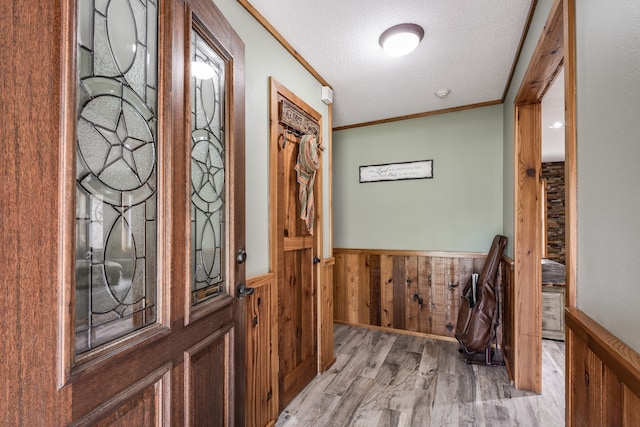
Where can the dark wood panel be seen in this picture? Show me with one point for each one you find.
(425, 317)
(142, 403)
(141, 410)
(399, 305)
(207, 381)
(373, 265)
(386, 297)
(412, 308)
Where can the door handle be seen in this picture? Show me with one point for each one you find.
(316, 260)
(241, 256)
(242, 291)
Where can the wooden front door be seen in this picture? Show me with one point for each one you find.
(296, 250)
(156, 168)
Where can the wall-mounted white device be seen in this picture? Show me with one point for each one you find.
(327, 95)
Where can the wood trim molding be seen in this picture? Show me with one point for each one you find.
(412, 253)
(262, 280)
(397, 331)
(570, 148)
(327, 262)
(546, 59)
(280, 38)
(419, 115)
(329, 138)
(616, 355)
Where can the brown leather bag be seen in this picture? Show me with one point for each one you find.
(477, 317)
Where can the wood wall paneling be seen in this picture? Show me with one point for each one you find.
(412, 307)
(386, 291)
(373, 266)
(326, 349)
(425, 315)
(603, 380)
(399, 283)
(403, 290)
(262, 377)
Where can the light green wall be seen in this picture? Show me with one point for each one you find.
(265, 57)
(460, 209)
(535, 30)
(608, 129)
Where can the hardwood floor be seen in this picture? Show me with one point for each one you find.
(387, 379)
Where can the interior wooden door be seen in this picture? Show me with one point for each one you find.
(296, 255)
(157, 333)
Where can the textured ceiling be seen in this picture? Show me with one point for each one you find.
(469, 47)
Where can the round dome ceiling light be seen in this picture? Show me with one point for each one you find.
(443, 93)
(401, 39)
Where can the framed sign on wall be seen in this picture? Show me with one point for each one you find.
(421, 169)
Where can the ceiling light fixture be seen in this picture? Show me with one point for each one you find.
(401, 39)
(556, 125)
(443, 93)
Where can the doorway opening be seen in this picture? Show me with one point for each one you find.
(554, 52)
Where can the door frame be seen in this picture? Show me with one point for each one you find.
(275, 231)
(169, 376)
(555, 49)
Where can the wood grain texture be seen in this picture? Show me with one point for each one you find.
(527, 297)
(386, 293)
(508, 315)
(262, 365)
(386, 379)
(547, 59)
(570, 149)
(603, 384)
(298, 279)
(207, 381)
(325, 312)
(417, 291)
(31, 96)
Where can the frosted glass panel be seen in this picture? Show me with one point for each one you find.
(207, 171)
(116, 170)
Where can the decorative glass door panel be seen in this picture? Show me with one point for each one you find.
(207, 170)
(116, 167)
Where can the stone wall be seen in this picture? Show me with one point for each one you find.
(553, 172)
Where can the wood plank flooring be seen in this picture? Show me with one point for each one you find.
(387, 379)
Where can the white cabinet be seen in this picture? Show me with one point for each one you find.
(553, 312)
